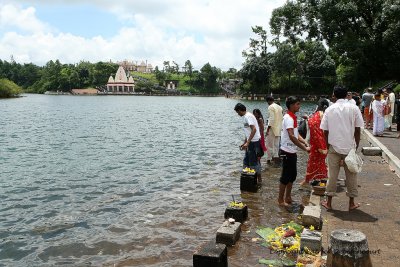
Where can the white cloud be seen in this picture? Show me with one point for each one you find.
(202, 31)
(12, 16)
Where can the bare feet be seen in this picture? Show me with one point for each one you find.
(324, 204)
(283, 204)
(354, 206)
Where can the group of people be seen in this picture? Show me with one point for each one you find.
(334, 130)
(379, 110)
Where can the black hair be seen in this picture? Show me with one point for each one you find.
(340, 92)
(258, 112)
(240, 107)
(269, 98)
(322, 104)
(291, 100)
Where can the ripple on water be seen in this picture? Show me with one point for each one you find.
(107, 189)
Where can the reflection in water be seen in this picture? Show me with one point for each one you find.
(124, 181)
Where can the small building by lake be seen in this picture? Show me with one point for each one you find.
(121, 83)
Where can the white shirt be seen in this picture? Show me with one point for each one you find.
(287, 144)
(275, 118)
(391, 100)
(340, 119)
(352, 101)
(249, 119)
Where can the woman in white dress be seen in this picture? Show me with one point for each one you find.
(379, 120)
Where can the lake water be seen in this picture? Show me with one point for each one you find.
(123, 180)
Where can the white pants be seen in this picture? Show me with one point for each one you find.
(272, 145)
(388, 120)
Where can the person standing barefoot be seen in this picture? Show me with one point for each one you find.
(341, 124)
(289, 143)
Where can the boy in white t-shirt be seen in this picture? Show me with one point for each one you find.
(290, 140)
(251, 143)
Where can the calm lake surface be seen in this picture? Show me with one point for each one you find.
(124, 180)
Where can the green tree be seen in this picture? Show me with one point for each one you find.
(188, 68)
(209, 77)
(9, 88)
(160, 76)
(363, 35)
(256, 70)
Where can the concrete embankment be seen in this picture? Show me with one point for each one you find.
(379, 214)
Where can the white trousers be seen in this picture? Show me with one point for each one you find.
(272, 145)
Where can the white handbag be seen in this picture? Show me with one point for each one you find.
(353, 161)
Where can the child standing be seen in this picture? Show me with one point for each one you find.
(290, 140)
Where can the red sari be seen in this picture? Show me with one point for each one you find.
(316, 166)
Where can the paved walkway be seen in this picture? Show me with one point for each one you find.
(390, 141)
(379, 214)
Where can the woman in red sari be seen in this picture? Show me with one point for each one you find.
(316, 166)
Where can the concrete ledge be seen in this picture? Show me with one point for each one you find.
(392, 160)
(315, 200)
(312, 216)
(371, 151)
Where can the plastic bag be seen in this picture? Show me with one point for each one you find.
(353, 161)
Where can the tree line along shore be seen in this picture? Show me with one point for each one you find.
(315, 44)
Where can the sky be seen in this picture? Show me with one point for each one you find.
(202, 31)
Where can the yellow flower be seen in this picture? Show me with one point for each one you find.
(312, 228)
(299, 264)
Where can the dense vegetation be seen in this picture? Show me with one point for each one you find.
(361, 46)
(316, 44)
(55, 76)
(9, 89)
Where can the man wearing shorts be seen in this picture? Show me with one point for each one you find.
(290, 140)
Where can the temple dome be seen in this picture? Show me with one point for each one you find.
(120, 76)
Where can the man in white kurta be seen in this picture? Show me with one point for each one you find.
(274, 129)
(390, 101)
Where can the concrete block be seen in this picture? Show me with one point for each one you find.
(371, 151)
(248, 182)
(228, 233)
(348, 247)
(314, 200)
(211, 254)
(312, 216)
(239, 214)
(311, 240)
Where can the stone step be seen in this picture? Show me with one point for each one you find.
(371, 151)
(211, 254)
(228, 233)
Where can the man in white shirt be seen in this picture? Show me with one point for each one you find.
(274, 129)
(350, 99)
(251, 143)
(341, 124)
(290, 140)
(390, 101)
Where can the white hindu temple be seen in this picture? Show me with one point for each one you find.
(121, 83)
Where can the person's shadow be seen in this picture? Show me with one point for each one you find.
(356, 215)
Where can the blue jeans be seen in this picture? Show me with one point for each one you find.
(251, 156)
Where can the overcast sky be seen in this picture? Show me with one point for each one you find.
(214, 31)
